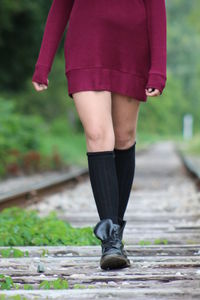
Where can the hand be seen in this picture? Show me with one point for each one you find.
(39, 86)
(152, 92)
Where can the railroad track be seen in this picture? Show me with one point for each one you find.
(162, 238)
(192, 165)
(33, 192)
(27, 194)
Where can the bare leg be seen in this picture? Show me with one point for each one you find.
(94, 109)
(125, 114)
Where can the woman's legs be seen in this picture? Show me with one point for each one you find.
(125, 112)
(107, 171)
(94, 109)
(110, 122)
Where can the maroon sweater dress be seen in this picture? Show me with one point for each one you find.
(114, 45)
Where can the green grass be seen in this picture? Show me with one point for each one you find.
(20, 227)
(155, 242)
(15, 297)
(6, 283)
(12, 252)
(58, 284)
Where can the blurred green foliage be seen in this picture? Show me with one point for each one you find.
(16, 131)
(21, 25)
(22, 144)
(18, 134)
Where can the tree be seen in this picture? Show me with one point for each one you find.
(21, 25)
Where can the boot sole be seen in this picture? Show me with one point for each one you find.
(114, 262)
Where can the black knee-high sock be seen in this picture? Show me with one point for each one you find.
(103, 178)
(125, 167)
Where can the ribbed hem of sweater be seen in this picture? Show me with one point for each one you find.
(93, 79)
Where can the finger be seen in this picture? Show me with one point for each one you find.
(38, 87)
(157, 92)
(43, 86)
(154, 91)
(150, 90)
(153, 94)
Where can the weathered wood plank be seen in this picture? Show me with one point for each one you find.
(80, 261)
(85, 270)
(112, 293)
(143, 217)
(135, 250)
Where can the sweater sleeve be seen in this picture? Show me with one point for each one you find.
(54, 28)
(157, 32)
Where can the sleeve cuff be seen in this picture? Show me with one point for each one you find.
(156, 81)
(41, 74)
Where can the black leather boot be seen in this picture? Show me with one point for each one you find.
(113, 255)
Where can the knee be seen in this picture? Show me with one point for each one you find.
(100, 138)
(124, 138)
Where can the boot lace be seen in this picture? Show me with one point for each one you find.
(113, 241)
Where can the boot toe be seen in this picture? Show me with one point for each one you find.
(114, 261)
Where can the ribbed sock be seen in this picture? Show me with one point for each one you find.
(103, 178)
(125, 167)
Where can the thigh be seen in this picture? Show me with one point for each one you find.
(94, 110)
(93, 107)
(125, 112)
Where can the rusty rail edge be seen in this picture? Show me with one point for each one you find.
(189, 165)
(45, 184)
